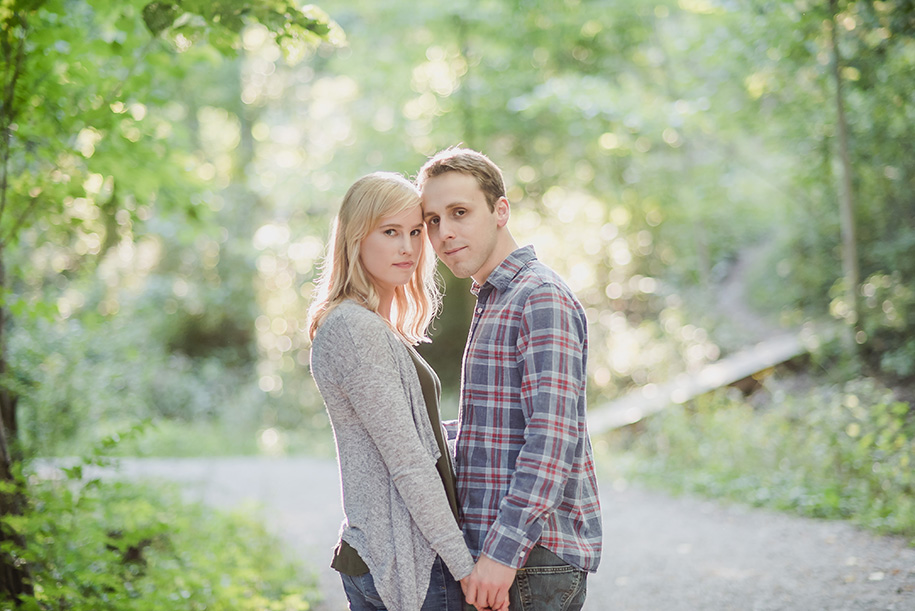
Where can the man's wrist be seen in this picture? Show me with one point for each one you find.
(501, 565)
(507, 546)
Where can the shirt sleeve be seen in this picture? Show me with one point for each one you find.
(551, 343)
(451, 430)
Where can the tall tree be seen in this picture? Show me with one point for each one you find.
(850, 267)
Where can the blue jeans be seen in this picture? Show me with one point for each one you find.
(444, 593)
(546, 583)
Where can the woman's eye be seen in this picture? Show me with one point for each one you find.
(390, 232)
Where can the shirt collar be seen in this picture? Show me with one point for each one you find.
(505, 272)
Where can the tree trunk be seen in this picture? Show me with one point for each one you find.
(15, 578)
(846, 201)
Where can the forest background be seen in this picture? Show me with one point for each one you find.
(170, 171)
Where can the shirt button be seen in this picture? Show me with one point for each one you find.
(479, 310)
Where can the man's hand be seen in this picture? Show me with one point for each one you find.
(487, 586)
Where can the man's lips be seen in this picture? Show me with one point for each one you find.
(448, 253)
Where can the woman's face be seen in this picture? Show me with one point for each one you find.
(390, 252)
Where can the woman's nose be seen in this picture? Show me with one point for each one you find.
(406, 245)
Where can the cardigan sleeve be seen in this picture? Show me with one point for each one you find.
(365, 368)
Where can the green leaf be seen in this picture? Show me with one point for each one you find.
(160, 16)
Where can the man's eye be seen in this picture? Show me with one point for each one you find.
(459, 212)
(433, 221)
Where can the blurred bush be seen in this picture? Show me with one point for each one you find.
(94, 545)
(833, 451)
(81, 379)
(888, 322)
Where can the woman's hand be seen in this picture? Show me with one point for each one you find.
(486, 588)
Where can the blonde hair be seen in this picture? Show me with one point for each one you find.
(343, 276)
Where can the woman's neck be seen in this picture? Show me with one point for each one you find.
(385, 303)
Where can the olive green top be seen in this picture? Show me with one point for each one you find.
(346, 559)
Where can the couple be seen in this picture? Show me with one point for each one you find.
(515, 522)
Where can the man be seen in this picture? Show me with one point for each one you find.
(525, 472)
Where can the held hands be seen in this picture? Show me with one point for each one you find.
(486, 588)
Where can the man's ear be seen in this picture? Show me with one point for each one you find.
(503, 212)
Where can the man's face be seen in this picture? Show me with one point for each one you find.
(461, 227)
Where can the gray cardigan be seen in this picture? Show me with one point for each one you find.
(397, 516)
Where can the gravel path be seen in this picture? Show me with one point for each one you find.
(661, 553)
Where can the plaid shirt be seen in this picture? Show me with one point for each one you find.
(525, 473)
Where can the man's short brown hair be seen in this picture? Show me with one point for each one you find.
(466, 161)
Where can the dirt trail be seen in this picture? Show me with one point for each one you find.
(661, 553)
(731, 295)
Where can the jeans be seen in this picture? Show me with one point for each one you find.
(546, 583)
(444, 593)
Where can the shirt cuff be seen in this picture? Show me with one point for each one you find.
(507, 545)
(451, 429)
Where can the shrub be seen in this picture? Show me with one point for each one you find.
(94, 545)
(80, 379)
(834, 452)
(888, 320)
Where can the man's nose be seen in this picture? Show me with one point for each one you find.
(445, 229)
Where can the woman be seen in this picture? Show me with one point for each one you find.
(375, 299)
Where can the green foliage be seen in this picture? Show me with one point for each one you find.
(94, 544)
(666, 137)
(94, 138)
(67, 378)
(835, 452)
(294, 29)
(88, 120)
(106, 157)
(84, 378)
(791, 88)
(888, 322)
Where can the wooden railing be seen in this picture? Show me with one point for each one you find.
(731, 370)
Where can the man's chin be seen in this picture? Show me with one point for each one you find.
(458, 271)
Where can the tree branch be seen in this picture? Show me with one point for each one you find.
(7, 236)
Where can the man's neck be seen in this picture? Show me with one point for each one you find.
(505, 246)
